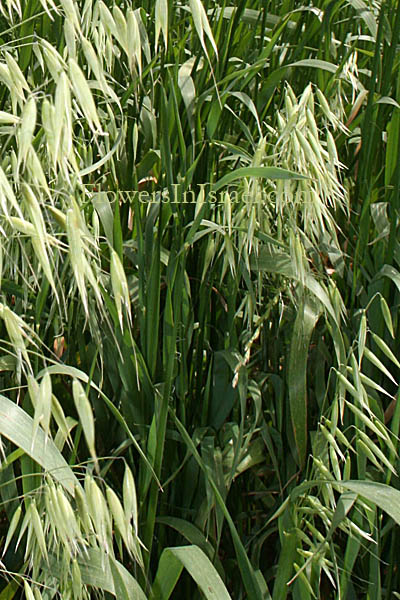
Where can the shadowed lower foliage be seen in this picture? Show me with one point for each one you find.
(199, 278)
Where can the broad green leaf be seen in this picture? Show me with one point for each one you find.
(199, 567)
(96, 572)
(17, 426)
(287, 557)
(252, 16)
(315, 63)
(344, 505)
(259, 172)
(190, 532)
(279, 262)
(383, 496)
(391, 273)
(121, 590)
(392, 151)
(306, 319)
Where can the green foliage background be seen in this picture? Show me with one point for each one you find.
(199, 278)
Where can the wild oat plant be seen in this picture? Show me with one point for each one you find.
(199, 279)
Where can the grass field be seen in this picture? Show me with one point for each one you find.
(199, 278)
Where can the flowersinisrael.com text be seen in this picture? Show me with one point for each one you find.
(188, 196)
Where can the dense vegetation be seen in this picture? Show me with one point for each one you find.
(200, 277)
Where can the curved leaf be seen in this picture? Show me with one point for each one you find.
(103, 572)
(306, 319)
(17, 426)
(261, 172)
(385, 497)
(197, 564)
